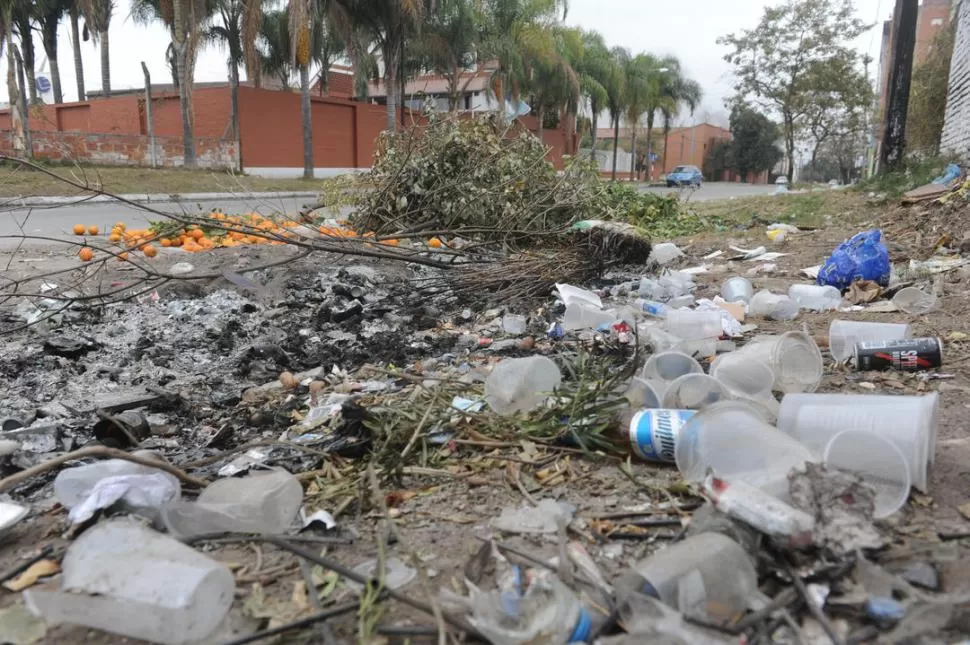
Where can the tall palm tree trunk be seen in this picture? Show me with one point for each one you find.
(540, 117)
(234, 108)
(106, 62)
(592, 133)
(306, 115)
(616, 142)
(185, 108)
(663, 163)
(390, 82)
(49, 40)
(633, 155)
(649, 147)
(76, 46)
(27, 52)
(13, 92)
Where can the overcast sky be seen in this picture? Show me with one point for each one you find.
(640, 25)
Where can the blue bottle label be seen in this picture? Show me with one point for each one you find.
(653, 433)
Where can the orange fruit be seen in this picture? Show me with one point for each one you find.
(80, 229)
(149, 251)
(434, 243)
(166, 242)
(93, 230)
(120, 225)
(122, 256)
(115, 237)
(86, 254)
(390, 242)
(197, 233)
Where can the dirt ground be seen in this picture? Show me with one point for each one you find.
(441, 513)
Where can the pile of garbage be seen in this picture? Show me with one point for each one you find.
(271, 415)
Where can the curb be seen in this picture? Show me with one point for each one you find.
(148, 198)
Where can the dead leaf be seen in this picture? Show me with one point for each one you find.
(35, 572)
(300, 598)
(957, 336)
(964, 510)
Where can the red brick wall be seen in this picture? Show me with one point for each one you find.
(122, 149)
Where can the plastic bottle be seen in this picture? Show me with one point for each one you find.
(652, 307)
(814, 297)
(708, 574)
(133, 581)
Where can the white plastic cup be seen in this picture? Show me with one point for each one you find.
(793, 357)
(814, 297)
(694, 325)
(878, 461)
(914, 301)
(737, 443)
(746, 378)
(669, 366)
(693, 392)
(772, 306)
(909, 422)
(583, 315)
(138, 583)
(737, 289)
(845, 334)
(642, 393)
(521, 384)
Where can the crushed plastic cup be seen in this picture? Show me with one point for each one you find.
(570, 294)
(737, 289)
(694, 325)
(669, 366)
(665, 253)
(264, 502)
(708, 574)
(909, 422)
(813, 297)
(914, 301)
(793, 357)
(878, 461)
(514, 324)
(693, 392)
(521, 384)
(738, 444)
(844, 335)
(583, 315)
(772, 306)
(642, 393)
(124, 578)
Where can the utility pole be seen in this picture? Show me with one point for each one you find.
(900, 75)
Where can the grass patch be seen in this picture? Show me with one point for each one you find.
(916, 172)
(20, 181)
(808, 210)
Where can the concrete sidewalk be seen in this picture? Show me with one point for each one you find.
(148, 198)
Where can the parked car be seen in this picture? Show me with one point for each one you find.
(685, 176)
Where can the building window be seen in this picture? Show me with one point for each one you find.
(936, 22)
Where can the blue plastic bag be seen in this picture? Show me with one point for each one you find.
(864, 257)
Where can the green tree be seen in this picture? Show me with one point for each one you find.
(643, 97)
(753, 148)
(97, 19)
(237, 29)
(678, 91)
(449, 44)
(555, 86)
(837, 104)
(927, 96)
(274, 47)
(598, 72)
(616, 97)
(388, 24)
(777, 62)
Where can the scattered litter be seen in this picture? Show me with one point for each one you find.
(863, 257)
(319, 518)
(396, 574)
(542, 518)
(36, 571)
(665, 253)
(521, 384)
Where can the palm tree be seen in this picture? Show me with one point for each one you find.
(678, 90)
(22, 18)
(388, 24)
(274, 39)
(518, 35)
(49, 14)
(326, 48)
(449, 45)
(616, 96)
(97, 18)
(75, 14)
(555, 84)
(597, 70)
(239, 25)
(19, 132)
(642, 89)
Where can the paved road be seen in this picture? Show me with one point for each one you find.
(717, 190)
(57, 221)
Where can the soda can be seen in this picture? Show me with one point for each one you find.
(905, 355)
(653, 433)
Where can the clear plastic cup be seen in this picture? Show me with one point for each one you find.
(669, 366)
(814, 297)
(737, 289)
(793, 357)
(694, 325)
(844, 334)
(737, 443)
(583, 315)
(772, 306)
(645, 394)
(880, 463)
(746, 378)
(693, 392)
(914, 301)
(909, 422)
